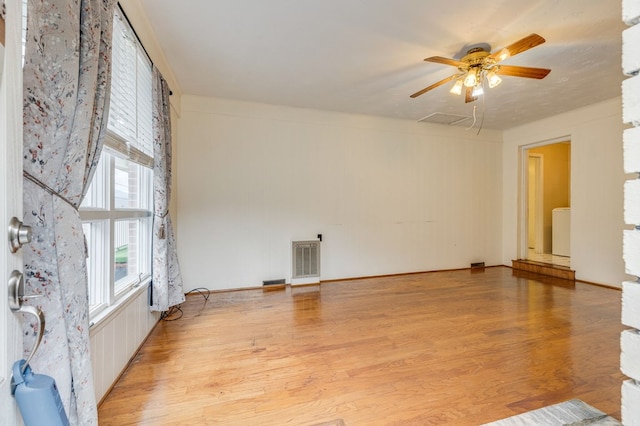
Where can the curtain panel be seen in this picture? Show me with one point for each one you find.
(66, 103)
(166, 278)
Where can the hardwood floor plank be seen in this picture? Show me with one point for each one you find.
(455, 347)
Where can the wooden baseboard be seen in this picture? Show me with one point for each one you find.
(609, 286)
(364, 277)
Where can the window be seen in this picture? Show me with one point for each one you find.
(117, 210)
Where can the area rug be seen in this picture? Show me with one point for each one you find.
(568, 413)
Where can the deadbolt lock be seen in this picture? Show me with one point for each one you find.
(19, 234)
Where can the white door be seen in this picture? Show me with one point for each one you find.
(10, 197)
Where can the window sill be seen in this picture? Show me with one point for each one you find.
(103, 317)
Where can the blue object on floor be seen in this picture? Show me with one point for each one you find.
(38, 397)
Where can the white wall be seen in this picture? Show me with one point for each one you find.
(388, 196)
(597, 180)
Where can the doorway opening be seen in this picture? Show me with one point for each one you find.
(547, 197)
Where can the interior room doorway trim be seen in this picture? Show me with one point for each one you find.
(537, 187)
(523, 202)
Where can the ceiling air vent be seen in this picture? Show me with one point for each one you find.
(442, 118)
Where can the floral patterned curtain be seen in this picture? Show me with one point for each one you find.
(167, 281)
(66, 95)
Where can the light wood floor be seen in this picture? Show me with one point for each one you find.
(458, 348)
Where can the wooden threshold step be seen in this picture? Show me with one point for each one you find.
(544, 269)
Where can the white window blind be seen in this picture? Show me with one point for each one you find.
(130, 113)
(116, 212)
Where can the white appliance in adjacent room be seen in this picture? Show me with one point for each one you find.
(561, 225)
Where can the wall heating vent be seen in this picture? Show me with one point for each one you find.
(442, 118)
(306, 262)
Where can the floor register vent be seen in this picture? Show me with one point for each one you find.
(305, 262)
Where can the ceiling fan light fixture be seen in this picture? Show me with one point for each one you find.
(479, 65)
(471, 78)
(457, 88)
(493, 79)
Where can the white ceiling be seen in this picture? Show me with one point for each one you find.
(366, 56)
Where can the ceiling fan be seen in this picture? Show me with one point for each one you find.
(479, 65)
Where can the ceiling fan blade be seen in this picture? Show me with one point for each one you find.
(527, 72)
(468, 95)
(519, 46)
(446, 61)
(434, 85)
